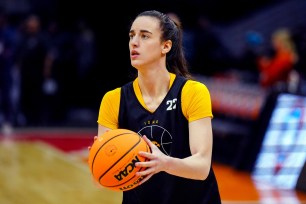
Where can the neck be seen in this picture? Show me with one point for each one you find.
(154, 84)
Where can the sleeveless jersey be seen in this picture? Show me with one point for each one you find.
(167, 128)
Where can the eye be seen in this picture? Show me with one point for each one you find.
(131, 35)
(144, 36)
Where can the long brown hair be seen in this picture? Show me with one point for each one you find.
(171, 30)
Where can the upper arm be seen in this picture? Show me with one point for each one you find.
(198, 111)
(200, 136)
(102, 129)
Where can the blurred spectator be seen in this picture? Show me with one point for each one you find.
(30, 60)
(247, 62)
(60, 65)
(85, 45)
(211, 56)
(299, 38)
(51, 89)
(275, 69)
(7, 46)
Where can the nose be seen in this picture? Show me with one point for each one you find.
(134, 41)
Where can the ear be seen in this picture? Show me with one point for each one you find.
(166, 46)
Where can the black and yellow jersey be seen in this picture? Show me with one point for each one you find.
(167, 128)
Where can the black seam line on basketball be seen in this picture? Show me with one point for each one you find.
(140, 169)
(93, 160)
(122, 155)
(139, 137)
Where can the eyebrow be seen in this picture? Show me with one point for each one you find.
(142, 31)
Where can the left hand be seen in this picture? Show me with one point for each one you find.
(157, 161)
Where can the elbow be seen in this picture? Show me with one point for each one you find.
(205, 174)
(202, 174)
(205, 169)
(204, 166)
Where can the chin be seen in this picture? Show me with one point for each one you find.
(135, 65)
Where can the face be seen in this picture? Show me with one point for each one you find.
(32, 24)
(146, 48)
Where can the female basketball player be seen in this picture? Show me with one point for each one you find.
(171, 111)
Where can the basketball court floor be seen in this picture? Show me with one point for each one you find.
(49, 166)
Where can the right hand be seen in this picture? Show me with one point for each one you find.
(95, 138)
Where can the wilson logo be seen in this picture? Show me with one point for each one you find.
(133, 184)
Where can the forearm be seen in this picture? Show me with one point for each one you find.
(194, 167)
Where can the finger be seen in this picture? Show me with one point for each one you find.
(146, 155)
(146, 164)
(151, 145)
(95, 138)
(145, 172)
(145, 179)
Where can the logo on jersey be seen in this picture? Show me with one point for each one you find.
(159, 136)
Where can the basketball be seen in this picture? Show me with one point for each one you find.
(112, 159)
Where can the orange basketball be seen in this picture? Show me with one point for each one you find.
(112, 159)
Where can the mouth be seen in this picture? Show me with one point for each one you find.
(134, 54)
